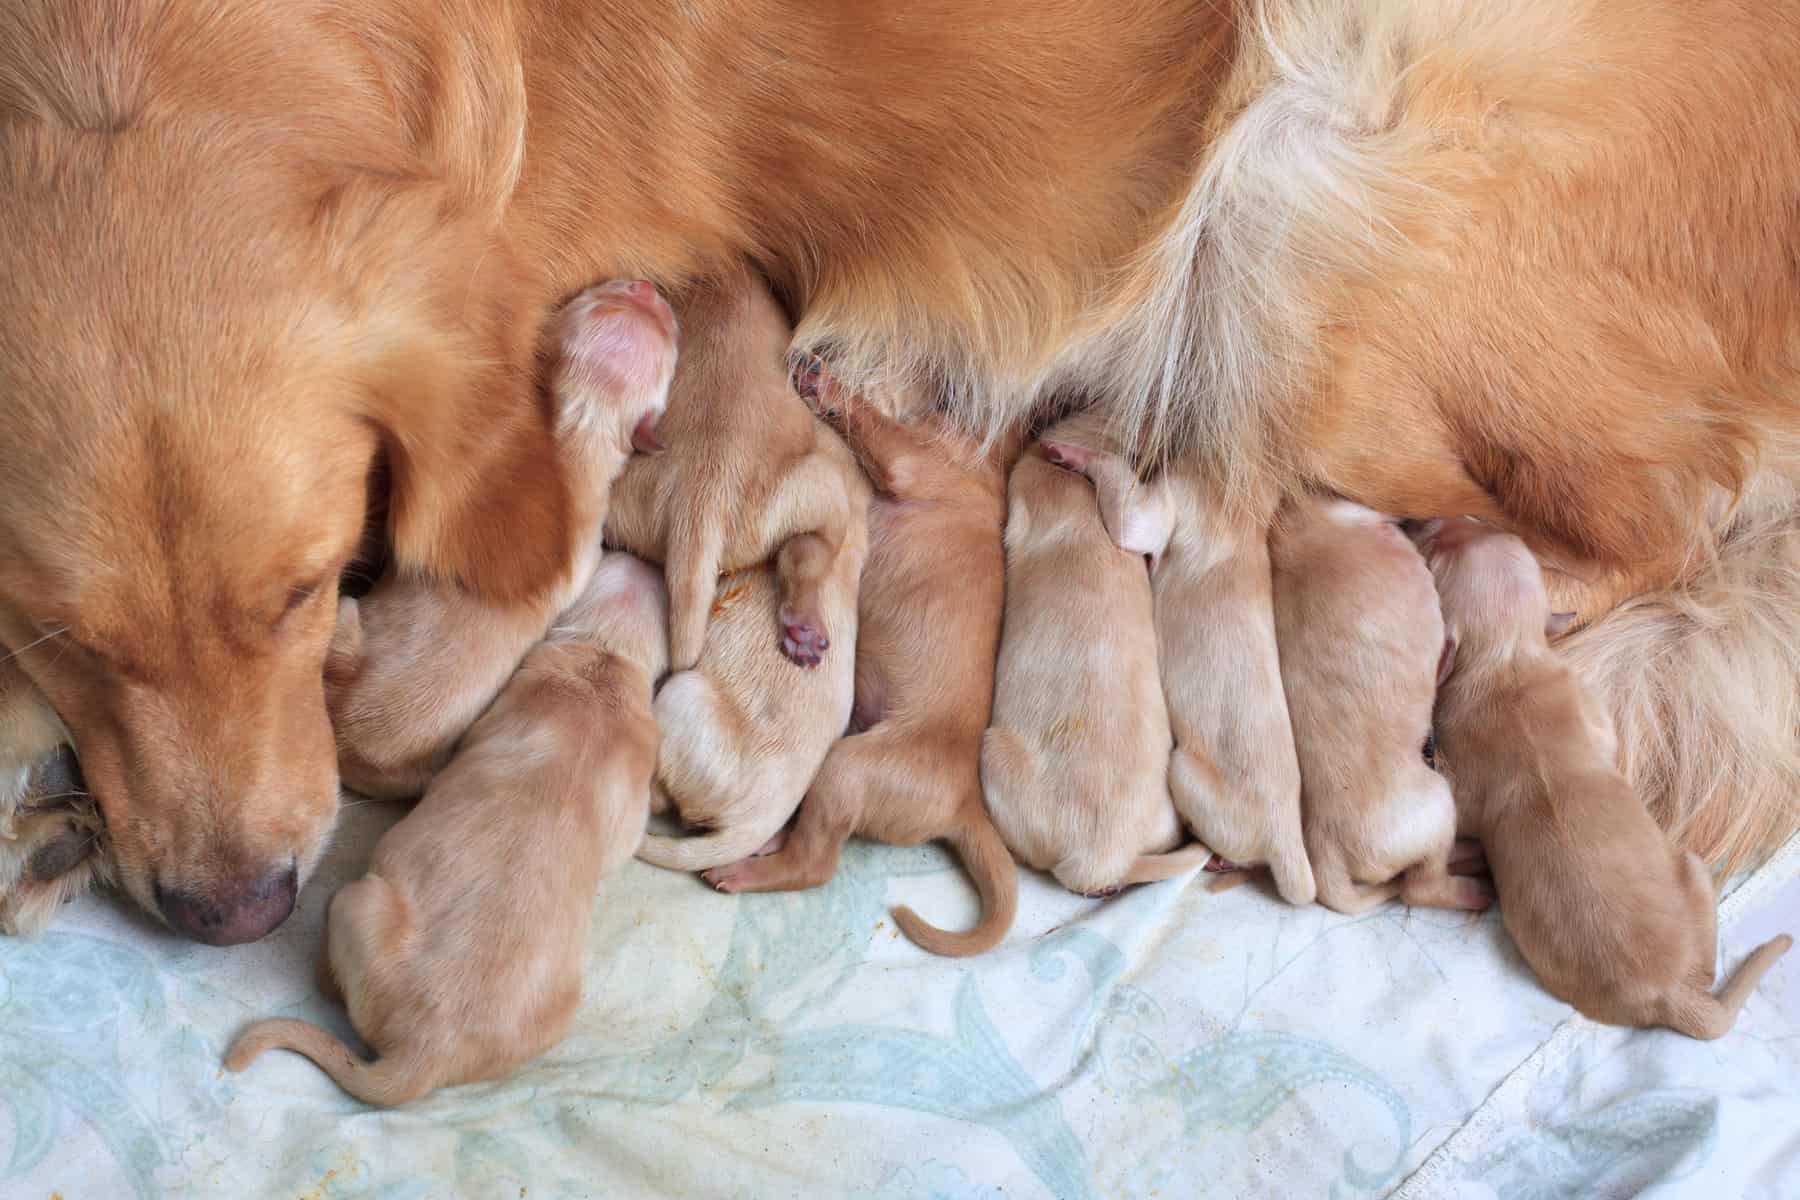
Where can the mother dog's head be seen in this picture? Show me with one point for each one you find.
(211, 329)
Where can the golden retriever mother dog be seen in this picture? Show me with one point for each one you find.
(1528, 261)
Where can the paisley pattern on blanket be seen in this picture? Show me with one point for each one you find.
(1168, 1042)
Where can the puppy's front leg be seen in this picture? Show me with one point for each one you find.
(50, 830)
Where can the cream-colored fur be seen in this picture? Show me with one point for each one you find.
(746, 470)
(459, 953)
(1234, 776)
(1611, 915)
(1076, 757)
(745, 730)
(1357, 620)
(415, 661)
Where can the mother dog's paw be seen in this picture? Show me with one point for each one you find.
(52, 842)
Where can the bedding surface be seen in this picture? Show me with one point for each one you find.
(1168, 1042)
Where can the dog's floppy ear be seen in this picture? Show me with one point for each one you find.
(477, 495)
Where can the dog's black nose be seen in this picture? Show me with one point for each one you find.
(240, 911)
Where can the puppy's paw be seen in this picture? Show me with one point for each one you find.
(51, 841)
(1105, 893)
(1473, 892)
(732, 877)
(803, 637)
(1467, 858)
(1219, 864)
(816, 385)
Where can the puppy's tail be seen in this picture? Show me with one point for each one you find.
(1148, 868)
(1702, 1015)
(386, 1082)
(996, 877)
(731, 844)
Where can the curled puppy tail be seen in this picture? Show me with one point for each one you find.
(996, 877)
(386, 1082)
(708, 850)
(1149, 868)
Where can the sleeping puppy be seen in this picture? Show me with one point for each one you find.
(1612, 917)
(744, 732)
(1234, 776)
(416, 661)
(748, 468)
(52, 843)
(1075, 763)
(928, 629)
(1357, 620)
(459, 953)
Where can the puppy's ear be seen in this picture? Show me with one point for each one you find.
(1136, 514)
(1446, 659)
(1559, 624)
(1069, 456)
(343, 659)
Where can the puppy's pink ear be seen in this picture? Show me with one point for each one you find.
(1069, 456)
(1446, 659)
(1558, 624)
(643, 436)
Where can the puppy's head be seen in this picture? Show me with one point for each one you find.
(206, 336)
(1490, 588)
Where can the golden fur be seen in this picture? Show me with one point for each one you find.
(1233, 776)
(928, 630)
(746, 469)
(1360, 634)
(417, 660)
(1612, 917)
(548, 792)
(1521, 260)
(1075, 761)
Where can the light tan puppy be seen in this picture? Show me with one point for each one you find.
(1612, 917)
(459, 954)
(744, 732)
(51, 836)
(1075, 763)
(416, 661)
(748, 468)
(1234, 776)
(1357, 619)
(928, 630)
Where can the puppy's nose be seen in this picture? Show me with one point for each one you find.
(237, 912)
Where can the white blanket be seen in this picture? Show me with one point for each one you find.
(1166, 1043)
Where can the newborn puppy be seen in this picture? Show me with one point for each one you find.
(1234, 776)
(748, 468)
(459, 953)
(1612, 917)
(416, 660)
(928, 628)
(1357, 620)
(745, 730)
(51, 838)
(1075, 764)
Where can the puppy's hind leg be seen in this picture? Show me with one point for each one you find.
(691, 567)
(802, 567)
(1429, 884)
